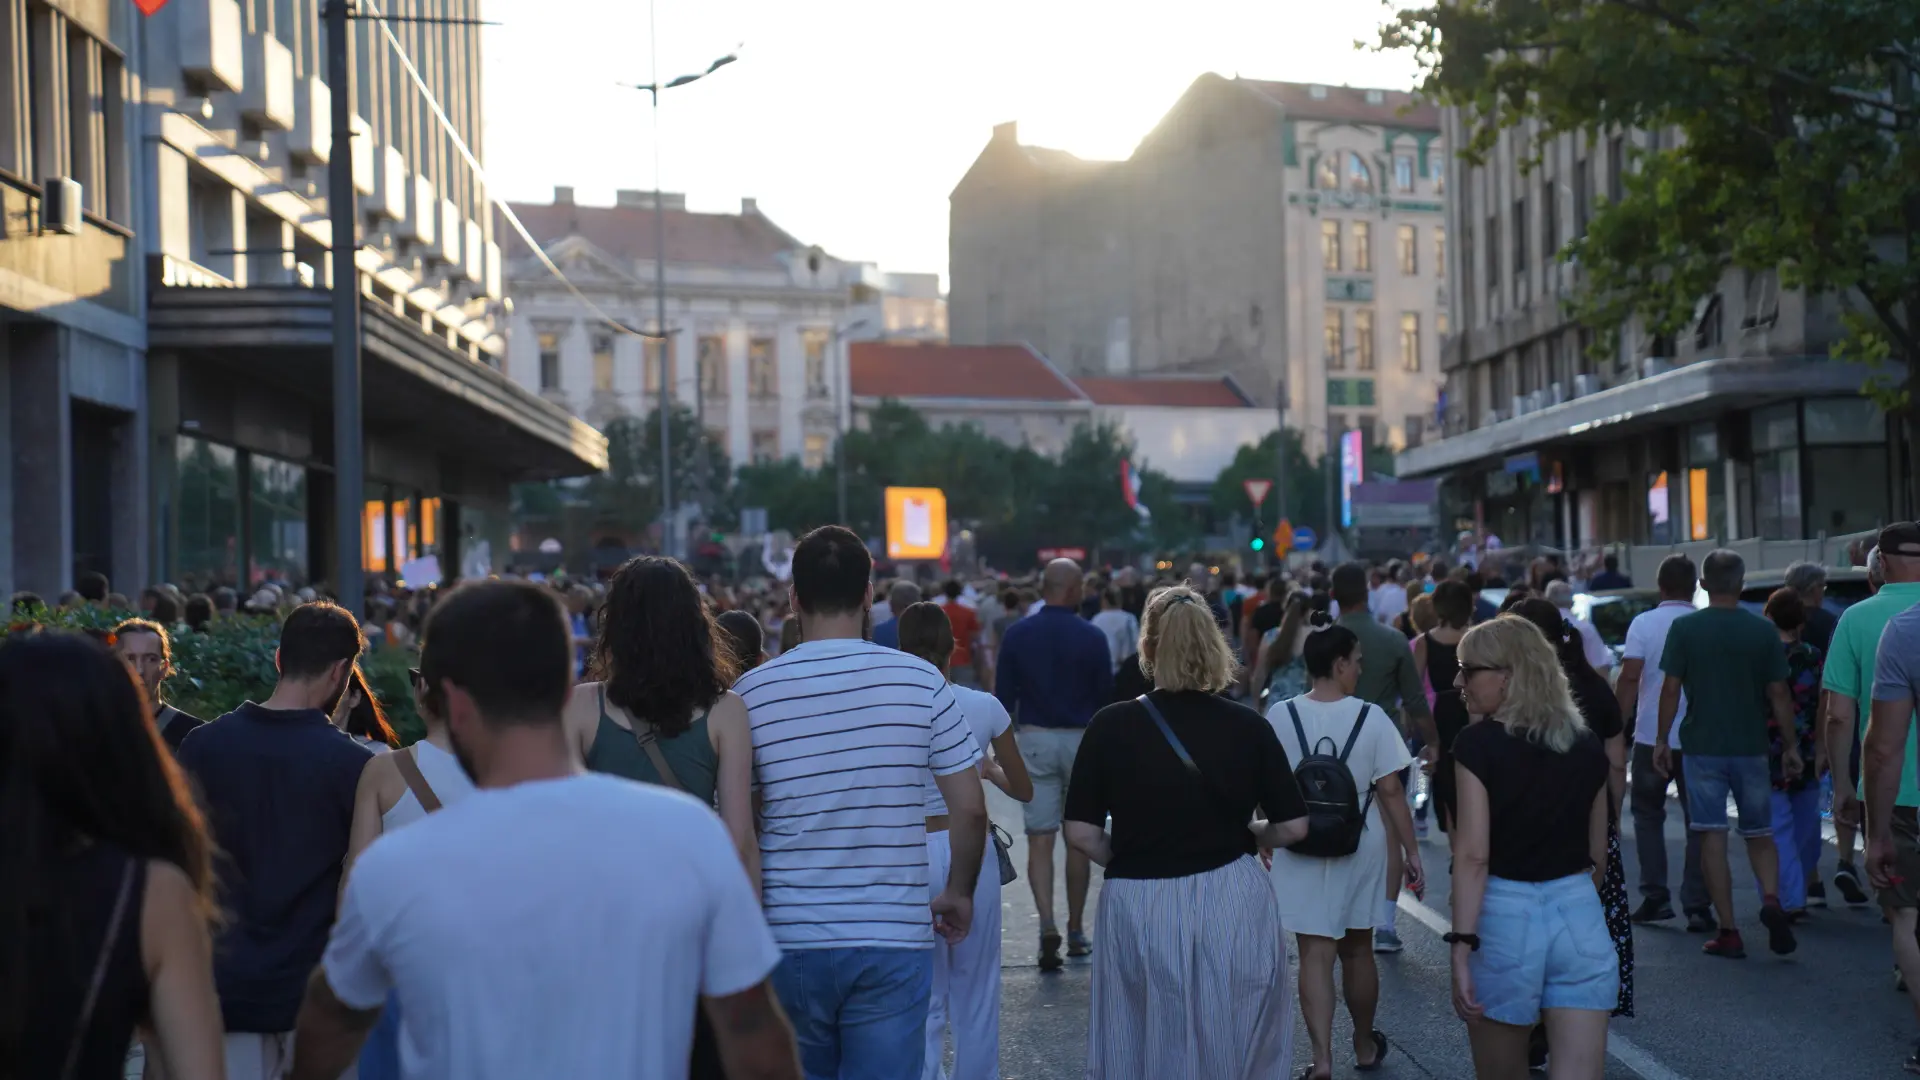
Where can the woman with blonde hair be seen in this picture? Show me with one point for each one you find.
(1190, 972)
(1529, 934)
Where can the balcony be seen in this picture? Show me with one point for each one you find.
(1350, 289)
(473, 253)
(267, 98)
(212, 43)
(447, 250)
(312, 138)
(390, 183)
(422, 221)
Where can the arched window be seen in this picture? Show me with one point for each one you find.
(1329, 178)
(1359, 176)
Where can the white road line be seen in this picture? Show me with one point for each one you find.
(1619, 1047)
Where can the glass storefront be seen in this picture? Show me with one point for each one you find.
(207, 545)
(278, 521)
(1775, 437)
(1706, 483)
(1848, 480)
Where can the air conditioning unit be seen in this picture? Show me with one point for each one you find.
(1585, 384)
(60, 206)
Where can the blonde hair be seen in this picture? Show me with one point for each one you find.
(1539, 704)
(1181, 647)
(1422, 615)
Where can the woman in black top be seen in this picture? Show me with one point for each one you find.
(1190, 976)
(108, 890)
(1529, 848)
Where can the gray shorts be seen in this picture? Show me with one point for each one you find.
(1048, 753)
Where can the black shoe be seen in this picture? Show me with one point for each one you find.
(1816, 893)
(1779, 929)
(1702, 922)
(1050, 951)
(1652, 911)
(1847, 881)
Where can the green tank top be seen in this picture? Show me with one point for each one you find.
(690, 754)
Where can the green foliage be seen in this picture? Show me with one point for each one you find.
(1307, 481)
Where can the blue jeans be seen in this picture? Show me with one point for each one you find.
(380, 1056)
(1710, 779)
(1796, 834)
(859, 1013)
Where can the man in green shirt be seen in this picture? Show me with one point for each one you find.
(1388, 679)
(1733, 670)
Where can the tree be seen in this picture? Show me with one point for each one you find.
(1307, 481)
(795, 498)
(1798, 146)
(627, 494)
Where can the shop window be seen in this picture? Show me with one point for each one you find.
(277, 520)
(1846, 488)
(1833, 421)
(1659, 510)
(207, 513)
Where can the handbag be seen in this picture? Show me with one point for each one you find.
(1002, 843)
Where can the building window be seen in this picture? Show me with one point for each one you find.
(813, 451)
(1519, 236)
(1330, 245)
(1416, 429)
(1440, 251)
(1328, 178)
(1410, 342)
(1363, 340)
(1709, 332)
(766, 446)
(603, 363)
(1440, 326)
(1365, 424)
(206, 551)
(1363, 246)
(1403, 172)
(1437, 170)
(655, 350)
(713, 367)
(1616, 168)
(549, 362)
(1549, 219)
(1409, 239)
(1359, 176)
(813, 345)
(1334, 339)
(277, 516)
(763, 375)
(1582, 195)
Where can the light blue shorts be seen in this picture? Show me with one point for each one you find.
(1543, 945)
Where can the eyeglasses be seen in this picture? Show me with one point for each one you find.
(1468, 671)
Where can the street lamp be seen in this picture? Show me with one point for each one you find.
(843, 411)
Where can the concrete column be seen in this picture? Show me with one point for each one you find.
(629, 357)
(173, 222)
(7, 586)
(41, 460)
(791, 384)
(576, 368)
(686, 361)
(1733, 500)
(739, 439)
(162, 422)
(227, 231)
(269, 250)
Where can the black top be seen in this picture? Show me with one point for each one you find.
(1167, 823)
(1539, 800)
(278, 788)
(174, 725)
(64, 947)
(1267, 617)
(1130, 682)
(1597, 703)
(1821, 624)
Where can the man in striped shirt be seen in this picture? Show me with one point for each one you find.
(845, 733)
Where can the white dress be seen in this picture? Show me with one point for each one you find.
(1328, 897)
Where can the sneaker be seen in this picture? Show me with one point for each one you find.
(1847, 881)
(1912, 1061)
(1727, 945)
(1420, 830)
(1386, 941)
(1816, 893)
(1701, 922)
(1078, 945)
(1779, 928)
(1050, 951)
(1652, 911)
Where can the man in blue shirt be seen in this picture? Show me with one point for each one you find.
(1610, 577)
(902, 595)
(1054, 673)
(277, 781)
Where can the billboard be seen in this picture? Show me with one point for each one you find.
(1353, 456)
(916, 523)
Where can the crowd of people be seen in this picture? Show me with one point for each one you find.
(729, 831)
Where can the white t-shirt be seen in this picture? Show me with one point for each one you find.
(552, 928)
(844, 734)
(1646, 641)
(986, 719)
(1123, 634)
(1591, 643)
(1387, 601)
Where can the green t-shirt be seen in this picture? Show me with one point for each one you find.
(1849, 670)
(1725, 658)
(1387, 675)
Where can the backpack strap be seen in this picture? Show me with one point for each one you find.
(1359, 724)
(1300, 730)
(416, 780)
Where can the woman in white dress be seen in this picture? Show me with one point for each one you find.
(1331, 903)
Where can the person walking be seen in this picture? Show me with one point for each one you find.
(1190, 979)
(1609, 576)
(1055, 673)
(508, 919)
(278, 781)
(1729, 663)
(965, 623)
(1529, 938)
(1808, 580)
(109, 892)
(845, 733)
(1331, 902)
(965, 995)
(147, 647)
(901, 595)
(1599, 657)
(1893, 829)
(1638, 692)
(359, 715)
(1436, 658)
(1796, 800)
(1280, 672)
(1122, 630)
(744, 637)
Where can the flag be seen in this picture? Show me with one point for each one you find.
(148, 7)
(1130, 488)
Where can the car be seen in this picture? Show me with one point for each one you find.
(1845, 588)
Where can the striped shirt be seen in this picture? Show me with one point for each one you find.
(845, 736)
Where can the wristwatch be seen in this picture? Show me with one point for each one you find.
(1471, 941)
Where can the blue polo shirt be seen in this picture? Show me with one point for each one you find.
(888, 634)
(1054, 669)
(277, 786)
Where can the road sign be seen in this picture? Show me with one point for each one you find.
(1304, 539)
(1257, 490)
(1283, 537)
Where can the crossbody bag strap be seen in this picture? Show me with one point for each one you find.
(107, 943)
(649, 740)
(416, 780)
(1180, 749)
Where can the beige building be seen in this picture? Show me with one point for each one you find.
(1291, 236)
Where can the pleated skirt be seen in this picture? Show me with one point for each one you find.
(1190, 979)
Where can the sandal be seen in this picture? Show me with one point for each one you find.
(1380, 1047)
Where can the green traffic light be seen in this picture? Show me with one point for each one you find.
(1258, 544)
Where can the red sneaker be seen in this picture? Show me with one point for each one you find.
(1727, 945)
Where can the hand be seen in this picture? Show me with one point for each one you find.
(1464, 1004)
(1428, 755)
(1266, 857)
(1880, 860)
(1791, 766)
(1663, 760)
(1416, 874)
(952, 916)
(1846, 806)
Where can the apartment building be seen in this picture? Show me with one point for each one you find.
(1740, 427)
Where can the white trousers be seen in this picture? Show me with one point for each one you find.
(253, 1056)
(966, 977)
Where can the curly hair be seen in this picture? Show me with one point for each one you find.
(1539, 703)
(655, 647)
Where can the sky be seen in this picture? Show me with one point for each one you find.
(852, 120)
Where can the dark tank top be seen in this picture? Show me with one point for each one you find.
(1449, 720)
(64, 948)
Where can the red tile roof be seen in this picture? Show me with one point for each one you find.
(734, 240)
(1347, 104)
(1001, 372)
(1176, 391)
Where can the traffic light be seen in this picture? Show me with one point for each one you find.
(1258, 543)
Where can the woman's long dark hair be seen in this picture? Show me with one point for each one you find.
(80, 762)
(368, 719)
(655, 647)
(1561, 634)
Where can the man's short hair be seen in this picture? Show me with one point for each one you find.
(225, 599)
(508, 644)
(1349, 586)
(902, 595)
(147, 626)
(1676, 576)
(1610, 561)
(1804, 577)
(831, 569)
(952, 589)
(1722, 572)
(92, 586)
(317, 636)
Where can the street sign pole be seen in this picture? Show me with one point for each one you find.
(1257, 493)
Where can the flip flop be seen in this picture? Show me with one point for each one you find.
(1380, 1047)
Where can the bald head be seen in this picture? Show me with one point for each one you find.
(1060, 583)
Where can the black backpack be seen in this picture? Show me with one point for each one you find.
(1336, 814)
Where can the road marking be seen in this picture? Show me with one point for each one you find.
(1619, 1047)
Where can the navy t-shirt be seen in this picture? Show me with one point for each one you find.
(277, 786)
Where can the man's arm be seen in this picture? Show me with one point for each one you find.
(1413, 702)
(1884, 748)
(330, 1032)
(1627, 690)
(1669, 710)
(1842, 721)
(754, 1036)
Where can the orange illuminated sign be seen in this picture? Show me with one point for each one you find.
(916, 523)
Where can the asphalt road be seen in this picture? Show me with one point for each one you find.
(1828, 1010)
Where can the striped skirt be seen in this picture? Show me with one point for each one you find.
(1190, 979)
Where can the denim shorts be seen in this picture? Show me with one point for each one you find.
(1543, 945)
(1711, 779)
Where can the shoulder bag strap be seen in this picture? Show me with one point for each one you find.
(416, 780)
(107, 943)
(1179, 748)
(649, 740)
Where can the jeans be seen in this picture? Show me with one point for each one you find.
(1711, 779)
(1647, 794)
(1544, 945)
(857, 1013)
(1796, 833)
(380, 1055)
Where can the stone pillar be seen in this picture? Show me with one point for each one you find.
(790, 382)
(162, 421)
(686, 362)
(739, 438)
(41, 460)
